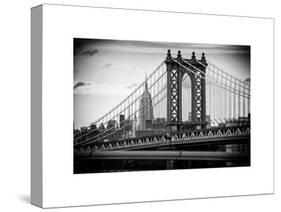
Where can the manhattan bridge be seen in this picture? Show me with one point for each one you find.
(188, 113)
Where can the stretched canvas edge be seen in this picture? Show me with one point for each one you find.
(36, 106)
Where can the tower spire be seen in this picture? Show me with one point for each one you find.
(146, 86)
(145, 106)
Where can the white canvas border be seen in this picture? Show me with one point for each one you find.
(61, 24)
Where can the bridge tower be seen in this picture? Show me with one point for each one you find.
(175, 73)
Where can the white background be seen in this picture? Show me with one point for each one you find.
(15, 121)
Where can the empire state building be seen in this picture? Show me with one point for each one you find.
(145, 110)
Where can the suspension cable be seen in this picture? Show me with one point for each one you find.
(125, 99)
(220, 69)
(97, 136)
(235, 79)
(90, 141)
(205, 78)
(124, 109)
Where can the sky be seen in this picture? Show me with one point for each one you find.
(106, 71)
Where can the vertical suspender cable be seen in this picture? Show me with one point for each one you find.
(214, 101)
(230, 101)
(222, 100)
(225, 102)
(219, 99)
(249, 104)
(210, 101)
(239, 100)
(244, 101)
(234, 102)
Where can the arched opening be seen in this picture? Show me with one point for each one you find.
(186, 98)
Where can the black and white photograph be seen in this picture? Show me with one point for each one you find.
(142, 105)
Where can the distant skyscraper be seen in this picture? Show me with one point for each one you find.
(134, 125)
(146, 109)
(121, 120)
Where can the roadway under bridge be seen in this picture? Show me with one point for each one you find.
(116, 161)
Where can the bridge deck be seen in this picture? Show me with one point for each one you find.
(161, 155)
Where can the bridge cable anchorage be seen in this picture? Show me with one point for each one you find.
(204, 78)
(98, 136)
(90, 141)
(124, 101)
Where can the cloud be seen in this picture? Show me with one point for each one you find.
(80, 84)
(101, 88)
(90, 52)
(132, 86)
(107, 65)
(161, 47)
(81, 47)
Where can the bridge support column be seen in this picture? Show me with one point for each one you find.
(174, 92)
(196, 69)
